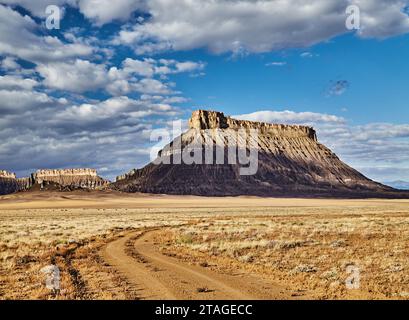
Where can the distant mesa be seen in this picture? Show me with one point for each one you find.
(291, 163)
(399, 184)
(52, 179)
(8, 182)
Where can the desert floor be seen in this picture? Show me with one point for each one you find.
(120, 246)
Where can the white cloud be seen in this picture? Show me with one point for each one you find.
(188, 66)
(104, 11)
(150, 67)
(26, 44)
(108, 109)
(79, 76)
(38, 7)
(128, 78)
(8, 82)
(9, 63)
(236, 26)
(139, 67)
(135, 75)
(18, 102)
(257, 25)
(382, 19)
(151, 86)
(100, 11)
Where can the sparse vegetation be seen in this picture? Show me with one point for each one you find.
(305, 248)
(309, 248)
(70, 239)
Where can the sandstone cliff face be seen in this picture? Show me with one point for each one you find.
(76, 178)
(64, 179)
(7, 175)
(203, 120)
(291, 162)
(9, 183)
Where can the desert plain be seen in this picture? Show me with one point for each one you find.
(110, 245)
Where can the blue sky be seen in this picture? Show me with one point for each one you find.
(90, 93)
(377, 72)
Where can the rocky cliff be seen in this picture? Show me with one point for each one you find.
(290, 162)
(7, 175)
(64, 179)
(74, 178)
(205, 120)
(10, 184)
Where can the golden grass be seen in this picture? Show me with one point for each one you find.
(71, 239)
(307, 246)
(308, 249)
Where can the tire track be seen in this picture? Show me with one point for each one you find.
(148, 286)
(157, 276)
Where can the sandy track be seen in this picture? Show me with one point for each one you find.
(148, 286)
(156, 276)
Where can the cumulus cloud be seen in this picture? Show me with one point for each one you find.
(19, 102)
(80, 76)
(9, 63)
(382, 19)
(139, 67)
(236, 26)
(30, 46)
(117, 107)
(38, 7)
(8, 82)
(257, 25)
(134, 76)
(104, 11)
(128, 78)
(99, 11)
(150, 67)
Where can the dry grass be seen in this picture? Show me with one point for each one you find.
(70, 239)
(305, 248)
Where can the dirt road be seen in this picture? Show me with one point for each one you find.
(157, 276)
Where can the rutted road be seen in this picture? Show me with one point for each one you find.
(156, 276)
